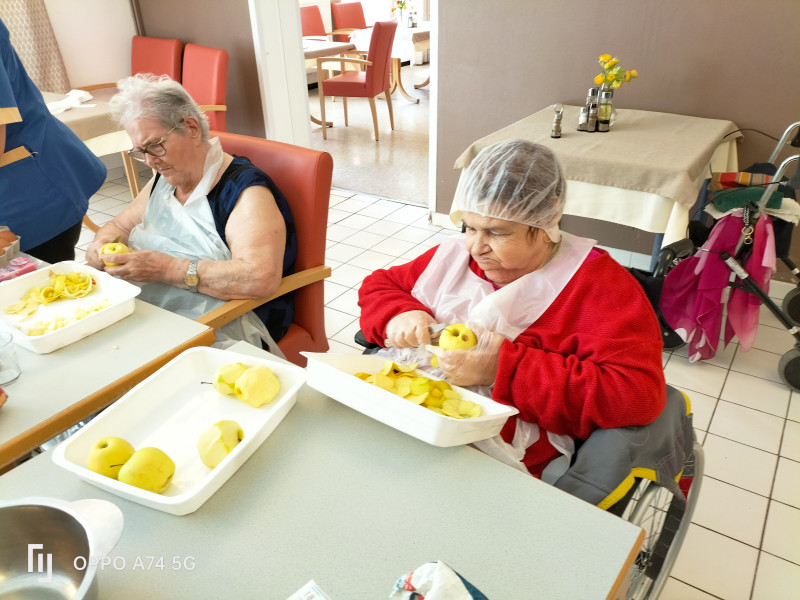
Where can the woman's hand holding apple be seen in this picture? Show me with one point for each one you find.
(475, 365)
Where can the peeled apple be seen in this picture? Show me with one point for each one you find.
(217, 441)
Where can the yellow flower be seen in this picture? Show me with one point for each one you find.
(611, 63)
(599, 79)
(605, 57)
(610, 77)
(616, 85)
(627, 76)
(634, 73)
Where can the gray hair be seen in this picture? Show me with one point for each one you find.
(146, 96)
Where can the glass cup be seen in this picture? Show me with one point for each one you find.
(9, 366)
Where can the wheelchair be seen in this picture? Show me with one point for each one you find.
(656, 490)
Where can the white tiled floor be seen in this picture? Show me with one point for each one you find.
(745, 538)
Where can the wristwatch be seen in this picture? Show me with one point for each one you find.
(192, 279)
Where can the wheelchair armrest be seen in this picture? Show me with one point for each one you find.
(361, 340)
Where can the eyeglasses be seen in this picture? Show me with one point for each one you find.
(155, 149)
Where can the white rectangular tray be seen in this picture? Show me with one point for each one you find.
(169, 410)
(333, 375)
(120, 294)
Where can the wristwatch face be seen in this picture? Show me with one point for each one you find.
(191, 278)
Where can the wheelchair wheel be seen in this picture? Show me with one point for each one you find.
(789, 368)
(791, 306)
(665, 520)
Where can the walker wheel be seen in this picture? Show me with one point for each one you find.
(789, 369)
(791, 306)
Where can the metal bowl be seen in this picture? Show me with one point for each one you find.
(49, 550)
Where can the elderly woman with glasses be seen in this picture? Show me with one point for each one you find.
(564, 333)
(207, 228)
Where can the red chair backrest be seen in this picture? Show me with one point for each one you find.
(205, 76)
(347, 15)
(160, 56)
(304, 177)
(311, 21)
(380, 54)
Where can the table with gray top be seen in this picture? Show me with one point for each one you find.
(353, 504)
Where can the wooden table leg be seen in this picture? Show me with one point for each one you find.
(397, 82)
(132, 173)
(423, 84)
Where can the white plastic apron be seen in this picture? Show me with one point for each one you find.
(187, 230)
(457, 295)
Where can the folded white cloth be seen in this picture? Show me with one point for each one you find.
(74, 99)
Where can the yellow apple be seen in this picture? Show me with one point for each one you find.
(217, 441)
(149, 469)
(107, 455)
(226, 377)
(114, 248)
(457, 337)
(257, 386)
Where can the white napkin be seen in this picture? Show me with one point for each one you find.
(74, 99)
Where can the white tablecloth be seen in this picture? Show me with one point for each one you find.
(645, 173)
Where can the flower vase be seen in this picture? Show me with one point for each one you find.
(400, 17)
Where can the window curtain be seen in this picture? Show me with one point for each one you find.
(32, 37)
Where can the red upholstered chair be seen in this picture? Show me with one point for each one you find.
(205, 75)
(347, 16)
(311, 22)
(160, 56)
(369, 83)
(304, 177)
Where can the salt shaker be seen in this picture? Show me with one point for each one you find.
(559, 112)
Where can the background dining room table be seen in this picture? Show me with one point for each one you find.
(335, 496)
(94, 125)
(646, 172)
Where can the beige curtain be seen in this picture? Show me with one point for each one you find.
(33, 39)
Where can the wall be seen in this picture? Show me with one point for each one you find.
(94, 37)
(716, 59)
(220, 25)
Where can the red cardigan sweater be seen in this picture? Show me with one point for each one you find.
(592, 360)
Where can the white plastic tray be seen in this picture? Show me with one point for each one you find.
(120, 293)
(169, 410)
(333, 375)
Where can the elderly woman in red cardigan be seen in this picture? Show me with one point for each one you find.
(565, 334)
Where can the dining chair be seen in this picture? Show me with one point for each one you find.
(304, 177)
(346, 17)
(311, 23)
(204, 75)
(160, 56)
(369, 83)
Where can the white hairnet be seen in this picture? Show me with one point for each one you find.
(514, 180)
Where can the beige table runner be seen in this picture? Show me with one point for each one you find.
(659, 153)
